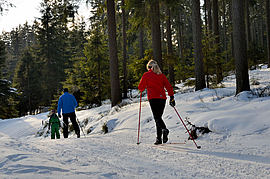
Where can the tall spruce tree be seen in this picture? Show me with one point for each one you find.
(53, 47)
(217, 41)
(124, 34)
(267, 10)
(7, 94)
(240, 47)
(196, 28)
(27, 82)
(155, 31)
(169, 45)
(114, 72)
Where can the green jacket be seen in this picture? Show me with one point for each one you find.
(54, 121)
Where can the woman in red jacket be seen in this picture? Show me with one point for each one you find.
(155, 82)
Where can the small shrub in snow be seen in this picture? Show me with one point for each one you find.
(214, 85)
(89, 130)
(43, 130)
(262, 92)
(189, 82)
(105, 128)
(196, 131)
(254, 81)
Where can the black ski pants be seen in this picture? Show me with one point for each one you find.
(72, 117)
(157, 107)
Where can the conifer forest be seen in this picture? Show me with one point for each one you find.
(103, 56)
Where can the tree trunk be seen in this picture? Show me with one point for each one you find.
(155, 31)
(180, 37)
(206, 15)
(268, 30)
(169, 46)
(141, 37)
(217, 40)
(230, 19)
(209, 15)
(197, 35)
(224, 29)
(215, 27)
(114, 73)
(99, 82)
(124, 49)
(247, 23)
(262, 33)
(240, 48)
(207, 32)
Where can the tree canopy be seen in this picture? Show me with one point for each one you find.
(195, 42)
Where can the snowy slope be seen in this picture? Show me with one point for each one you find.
(238, 147)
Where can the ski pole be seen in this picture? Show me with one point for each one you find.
(138, 142)
(80, 126)
(198, 147)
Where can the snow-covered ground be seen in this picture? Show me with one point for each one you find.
(238, 147)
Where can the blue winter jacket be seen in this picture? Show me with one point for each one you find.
(67, 103)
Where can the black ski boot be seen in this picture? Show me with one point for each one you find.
(158, 141)
(78, 134)
(165, 133)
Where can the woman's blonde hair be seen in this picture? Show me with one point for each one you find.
(152, 64)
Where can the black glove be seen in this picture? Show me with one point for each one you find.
(172, 101)
(59, 115)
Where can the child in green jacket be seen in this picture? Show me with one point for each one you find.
(54, 124)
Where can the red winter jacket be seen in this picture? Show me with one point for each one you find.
(155, 84)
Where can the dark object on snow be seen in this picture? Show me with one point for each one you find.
(158, 141)
(194, 129)
(105, 128)
(165, 133)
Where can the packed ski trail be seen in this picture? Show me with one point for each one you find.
(105, 156)
(238, 147)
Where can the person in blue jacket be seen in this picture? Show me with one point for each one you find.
(67, 104)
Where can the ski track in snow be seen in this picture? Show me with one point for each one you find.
(238, 148)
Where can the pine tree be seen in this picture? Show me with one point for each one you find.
(240, 47)
(155, 31)
(7, 94)
(267, 10)
(27, 83)
(124, 34)
(114, 71)
(196, 28)
(53, 47)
